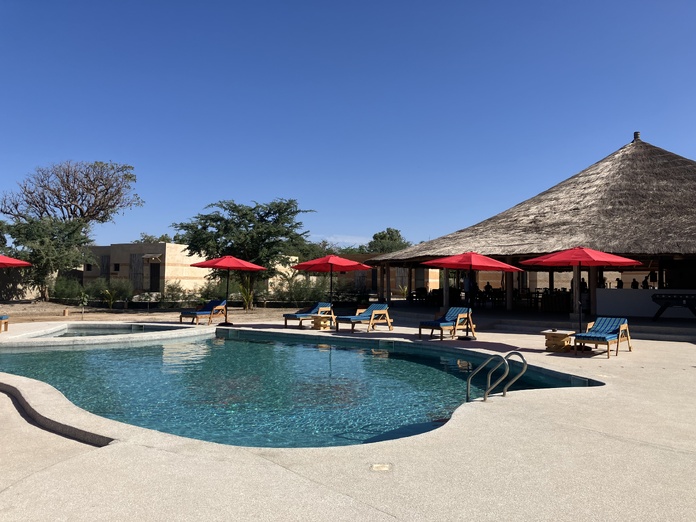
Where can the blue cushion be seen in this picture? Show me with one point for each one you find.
(364, 316)
(296, 316)
(313, 311)
(603, 330)
(206, 310)
(592, 337)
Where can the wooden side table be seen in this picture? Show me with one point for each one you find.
(321, 322)
(557, 340)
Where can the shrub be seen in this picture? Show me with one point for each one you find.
(96, 288)
(213, 289)
(173, 291)
(67, 288)
(299, 289)
(122, 289)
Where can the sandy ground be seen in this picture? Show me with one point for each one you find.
(27, 312)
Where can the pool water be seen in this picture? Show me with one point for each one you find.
(264, 394)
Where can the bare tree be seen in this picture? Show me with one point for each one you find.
(91, 192)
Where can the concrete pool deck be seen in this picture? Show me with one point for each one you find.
(623, 451)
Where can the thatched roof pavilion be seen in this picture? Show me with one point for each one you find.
(638, 202)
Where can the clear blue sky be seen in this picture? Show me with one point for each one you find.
(425, 116)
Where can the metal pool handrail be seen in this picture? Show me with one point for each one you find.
(502, 361)
(514, 379)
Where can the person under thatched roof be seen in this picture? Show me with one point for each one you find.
(639, 201)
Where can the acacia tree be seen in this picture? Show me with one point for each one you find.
(260, 234)
(53, 209)
(51, 246)
(90, 192)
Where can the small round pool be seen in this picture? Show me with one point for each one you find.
(264, 394)
(101, 329)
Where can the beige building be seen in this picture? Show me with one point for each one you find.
(148, 266)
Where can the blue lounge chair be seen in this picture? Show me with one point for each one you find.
(605, 330)
(210, 309)
(372, 315)
(306, 314)
(455, 317)
(4, 322)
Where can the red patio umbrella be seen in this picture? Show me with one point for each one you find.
(11, 262)
(580, 256)
(327, 264)
(228, 263)
(471, 261)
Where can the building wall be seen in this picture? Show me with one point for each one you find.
(178, 267)
(133, 261)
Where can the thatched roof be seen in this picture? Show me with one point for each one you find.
(638, 201)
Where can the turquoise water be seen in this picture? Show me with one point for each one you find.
(256, 394)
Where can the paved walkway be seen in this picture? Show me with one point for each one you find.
(623, 451)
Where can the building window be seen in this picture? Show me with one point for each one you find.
(88, 268)
(117, 267)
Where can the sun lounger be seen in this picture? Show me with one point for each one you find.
(605, 330)
(209, 310)
(4, 322)
(372, 315)
(306, 314)
(457, 317)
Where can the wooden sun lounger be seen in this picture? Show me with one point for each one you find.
(210, 309)
(307, 314)
(456, 317)
(605, 330)
(372, 315)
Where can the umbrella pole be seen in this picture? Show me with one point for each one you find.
(469, 303)
(227, 296)
(331, 285)
(577, 289)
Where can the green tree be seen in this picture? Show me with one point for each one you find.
(148, 238)
(306, 250)
(54, 208)
(73, 191)
(259, 234)
(389, 240)
(51, 246)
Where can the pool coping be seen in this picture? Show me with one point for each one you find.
(51, 410)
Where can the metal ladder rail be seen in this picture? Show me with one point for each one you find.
(524, 369)
(502, 362)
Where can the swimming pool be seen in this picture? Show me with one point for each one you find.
(98, 330)
(263, 394)
(79, 335)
